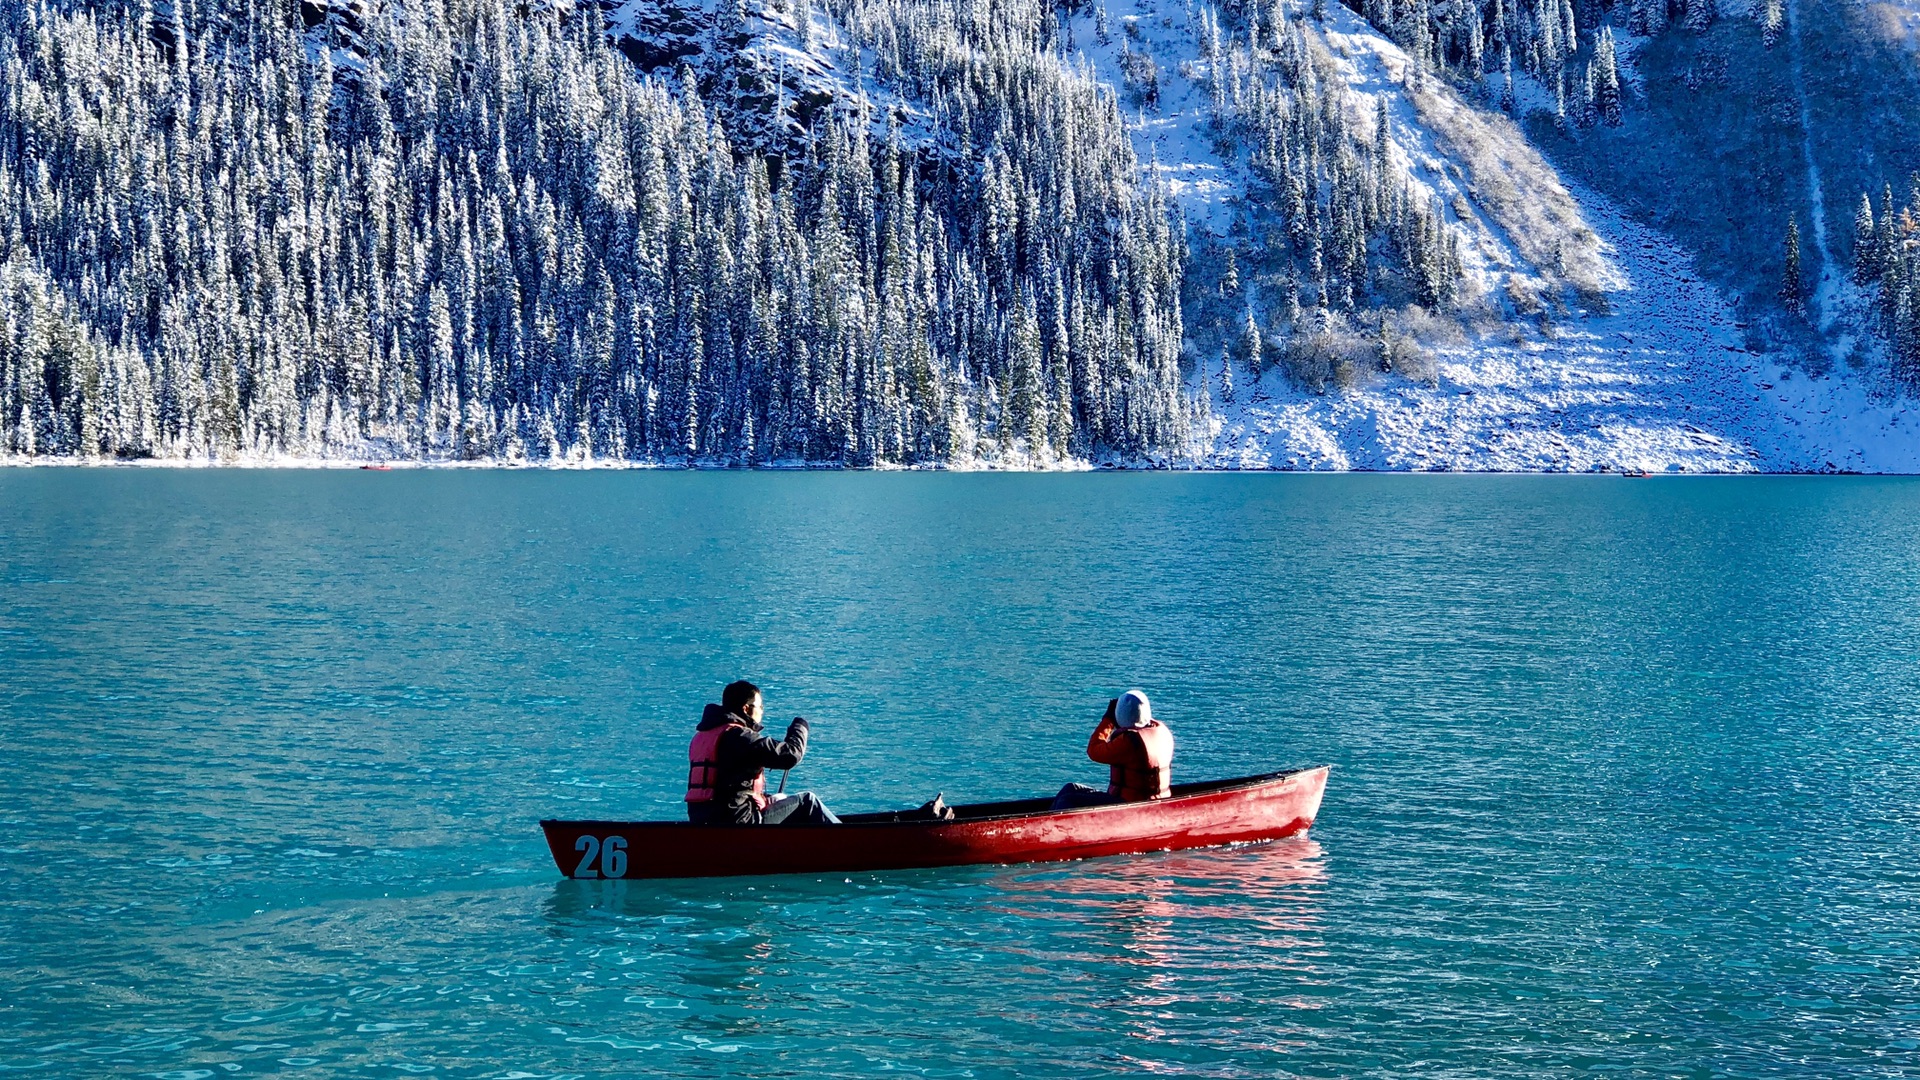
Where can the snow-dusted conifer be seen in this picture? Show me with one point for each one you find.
(1290, 301)
(1646, 17)
(1251, 346)
(1700, 14)
(1866, 244)
(1606, 78)
(1888, 245)
(1792, 290)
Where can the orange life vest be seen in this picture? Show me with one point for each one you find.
(1150, 775)
(703, 767)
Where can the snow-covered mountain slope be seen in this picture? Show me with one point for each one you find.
(1662, 383)
(1521, 230)
(1657, 377)
(1578, 337)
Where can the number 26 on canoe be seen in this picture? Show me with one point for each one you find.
(611, 854)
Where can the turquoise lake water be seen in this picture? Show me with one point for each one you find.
(1626, 773)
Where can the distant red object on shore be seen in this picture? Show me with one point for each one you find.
(377, 468)
(1197, 815)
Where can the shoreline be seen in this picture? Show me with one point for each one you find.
(603, 465)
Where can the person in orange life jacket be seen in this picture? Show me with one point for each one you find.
(1136, 748)
(727, 763)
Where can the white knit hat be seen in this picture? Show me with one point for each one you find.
(1134, 710)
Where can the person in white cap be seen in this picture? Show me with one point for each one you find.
(1138, 753)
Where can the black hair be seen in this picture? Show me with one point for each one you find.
(737, 694)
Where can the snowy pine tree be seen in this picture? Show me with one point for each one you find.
(1792, 291)
(1867, 260)
(1699, 15)
(1252, 348)
(1606, 78)
(1887, 259)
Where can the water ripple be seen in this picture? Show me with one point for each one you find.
(1623, 783)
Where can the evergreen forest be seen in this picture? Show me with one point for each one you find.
(482, 234)
(862, 233)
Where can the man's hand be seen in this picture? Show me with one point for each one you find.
(794, 746)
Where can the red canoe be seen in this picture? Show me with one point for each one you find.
(1197, 815)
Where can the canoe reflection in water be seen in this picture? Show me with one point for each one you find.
(1165, 908)
(1272, 888)
(1160, 947)
(1218, 910)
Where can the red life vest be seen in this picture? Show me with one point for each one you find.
(1149, 775)
(703, 767)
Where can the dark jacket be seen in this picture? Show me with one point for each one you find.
(743, 755)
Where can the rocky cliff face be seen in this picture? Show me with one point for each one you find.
(768, 68)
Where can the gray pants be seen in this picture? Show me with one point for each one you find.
(1074, 796)
(801, 808)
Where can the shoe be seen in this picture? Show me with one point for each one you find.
(935, 809)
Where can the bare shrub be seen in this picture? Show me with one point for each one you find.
(1142, 77)
(1404, 357)
(1888, 23)
(1482, 317)
(1405, 338)
(1426, 327)
(1352, 373)
(1521, 294)
(1327, 350)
